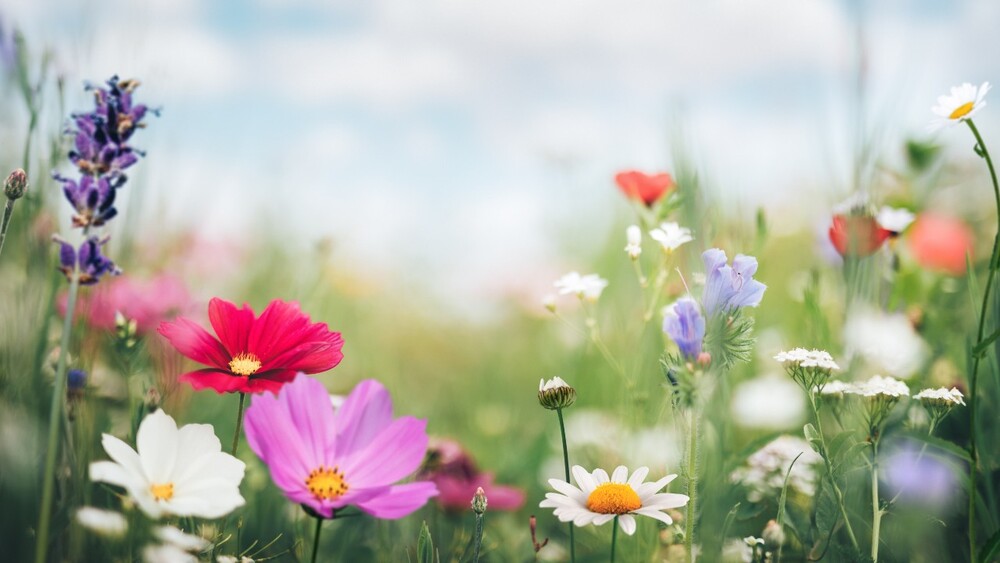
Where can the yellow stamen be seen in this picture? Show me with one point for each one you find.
(613, 498)
(162, 492)
(325, 483)
(245, 364)
(962, 110)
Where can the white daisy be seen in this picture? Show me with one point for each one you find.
(176, 471)
(554, 383)
(895, 219)
(959, 105)
(104, 522)
(600, 498)
(671, 236)
(633, 239)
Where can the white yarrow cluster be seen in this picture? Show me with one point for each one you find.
(765, 469)
(587, 287)
(879, 386)
(807, 359)
(941, 396)
(671, 236)
(835, 388)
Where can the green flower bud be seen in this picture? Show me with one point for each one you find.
(555, 394)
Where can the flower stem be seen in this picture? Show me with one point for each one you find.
(478, 541)
(239, 423)
(562, 432)
(319, 527)
(55, 417)
(692, 483)
(974, 374)
(8, 210)
(876, 510)
(614, 537)
(829, 472)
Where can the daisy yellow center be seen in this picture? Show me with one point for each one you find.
(244, 364)
(962, 110)
(162, 492)
(325, 483)
(613, 498)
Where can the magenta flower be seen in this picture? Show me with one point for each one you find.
(326, 459)
(457, 477)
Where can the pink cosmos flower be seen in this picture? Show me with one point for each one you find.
(254, 354)
(455, 473)
(326, 458)
(147, 302)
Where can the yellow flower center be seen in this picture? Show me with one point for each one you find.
(245, 364)
(613, 498)
(962, 110)
(325, 483)
(162, 492)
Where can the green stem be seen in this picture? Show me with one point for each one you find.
(876, 510)
(319, 527)
(974, 375)
(562, 432)
(239, 423)
(55, 417)
(8, 210)
(479, 537)
(829, 472)
(692, 483)
(614, 537)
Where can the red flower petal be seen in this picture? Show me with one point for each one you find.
(310, 357)
(217, 380)
(231, 324)
(857, 235)
(281, 326)
(195, 342)
(644, 187)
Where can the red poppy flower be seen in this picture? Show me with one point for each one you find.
(857, 235)
(644, 187)
(941, 243)
(254, 354)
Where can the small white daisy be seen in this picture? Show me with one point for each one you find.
(895, 219)
(941, 396)
(671, 236)
(959, 105)
(176, 471)
(104, 522)
(633, 239)
(600, 498)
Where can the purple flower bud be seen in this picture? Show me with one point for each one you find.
(685, 325)
(87, 261)
(76, 379)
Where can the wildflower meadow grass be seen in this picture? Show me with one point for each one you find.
(709, 388)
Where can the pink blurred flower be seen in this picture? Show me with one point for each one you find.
(326, 458)
(941, 243)
(148, 302)
(454, 472)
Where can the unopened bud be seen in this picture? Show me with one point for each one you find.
(479, 501)
(16, 184)
(125, 330)
(152, 400)
(555, 394)
(550, 303)
(633, 239)
(773, 534)
(704, 359)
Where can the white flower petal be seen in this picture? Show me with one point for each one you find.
(638, 477)
(156, 443)
(584, 480)
(620, 474)
(655, 514)
(601, 476)
(627, 523)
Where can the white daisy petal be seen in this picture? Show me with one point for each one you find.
(627, 522)
(656, 514)
(667, 500)
(620, 474)
(584, 480)
(638, 477)
(601, 476)
(569, 490)
(603, 519)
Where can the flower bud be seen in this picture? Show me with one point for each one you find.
(555, 394)
(773, 535)
(633, 239)
(479, 501)
(76, 382)
(550, 303)
(16, 184)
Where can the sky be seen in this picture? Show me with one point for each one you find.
(464, 141)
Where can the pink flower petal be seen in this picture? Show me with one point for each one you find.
(366, 412)
(400, 501)
(195, 342)
(393, 454)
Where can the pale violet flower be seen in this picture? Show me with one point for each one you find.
(176, 471)
(633, 239)
(895, 219)
(104, 522)
(587, 287)
(960, 104)
(599, 498)
(770, 402)
(800, 357)
(729, 287)
(941, 396)
(671, 236)
(685, 325)
(886, 341)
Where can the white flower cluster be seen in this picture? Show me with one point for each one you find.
(765, 470)
(587, 287)
(835, 388)
(807, 359)
(671, 236)
(633, 240)
(941, 396)
(879, 386)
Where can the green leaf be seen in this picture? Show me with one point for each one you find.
(838, 442)
(943, 445)
(729, 519)
(425, 546)
(985, 343)
(784, 492)
(991, 550)
(813, 437)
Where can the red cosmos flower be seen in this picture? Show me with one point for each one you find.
(941, 243)
(255, 354)
(857, 235)
(644, 187)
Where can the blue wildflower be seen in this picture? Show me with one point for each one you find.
(729, 287)
(685, 325)
(87, 261)
(76, 379)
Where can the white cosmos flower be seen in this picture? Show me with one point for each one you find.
(671, 236)
(587, 287)
(600, 498)
(633, 239)
(176, 471)
(104, 522)
(959, 105)
(895, 219)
